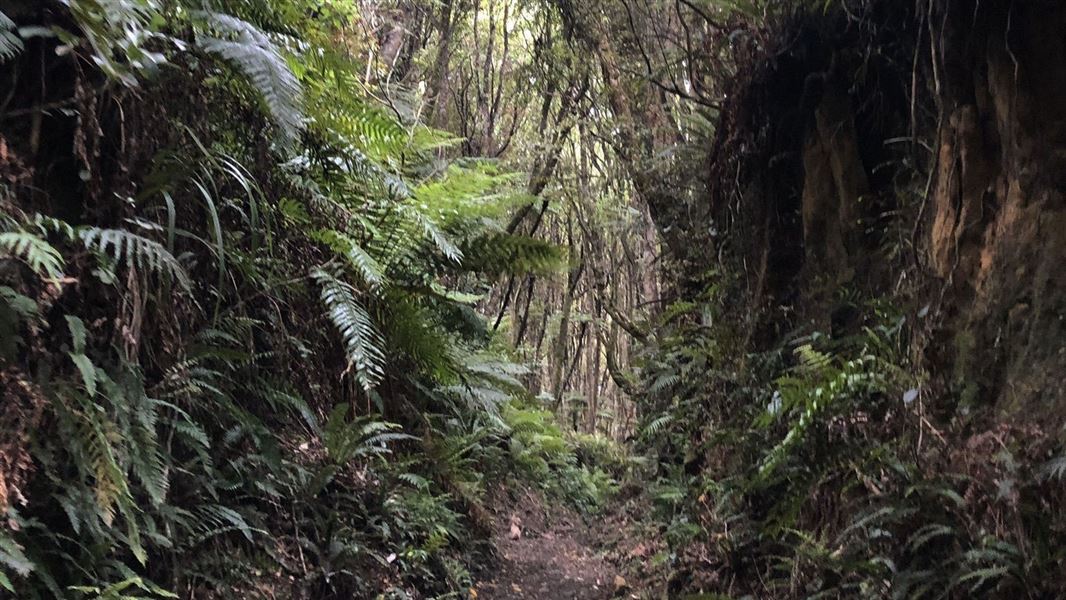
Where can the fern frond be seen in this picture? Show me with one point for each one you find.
(502, 253)
(1053, 469)
(119, 32)
(256, 56)
(467, 193)
(414, 332)
(348, 119)
(13, 557)
(658, 425)
(53, 225)
(345, 440)
(415, 480)
(121, 245)
(280, 395)
(117, 591)
(368, 268)
(10, 42)
(664, 382)
(214, 519)
(481, 399)
(496, 370)
(433, 233)
(361, 338)
(35, 251)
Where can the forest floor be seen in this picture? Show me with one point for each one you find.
(546, 551)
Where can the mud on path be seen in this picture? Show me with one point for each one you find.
(547, 556)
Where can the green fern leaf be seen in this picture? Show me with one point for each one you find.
(255, 55)
(10, 42)
(136, 251)
(13, 557)
(368, 268)
(502, 253)
(35, 251)
(361, 338)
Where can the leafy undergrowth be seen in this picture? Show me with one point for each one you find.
(241, 356)
(820, 470)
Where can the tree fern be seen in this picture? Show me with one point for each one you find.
(415, 333)
(362, 341)
(349, 119)
(432, 232)
(469, 193)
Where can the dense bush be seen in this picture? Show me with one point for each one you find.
(240, 350)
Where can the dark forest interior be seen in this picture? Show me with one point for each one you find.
(405, 299)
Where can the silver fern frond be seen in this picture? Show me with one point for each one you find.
(252, 52)
(10, 42)
(362, 340)
(35, 251)
(136, 251)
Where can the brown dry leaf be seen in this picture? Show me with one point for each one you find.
(516, 527)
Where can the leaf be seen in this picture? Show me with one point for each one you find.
(12, 556)
(77, 332)
(368, 268)
(118, 32)
(41, 256)
(10, 42)
(135, 251)
(252, 52)
(416, 481)
(87, 370)
(362, 340)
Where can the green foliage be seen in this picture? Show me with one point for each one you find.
(361, 338)
(137, 252)
(36, 252)
(817, 471)
(570, 469)
(119, 32)
(500, 253)
(256, 56)
(263, 368)
(10, 42)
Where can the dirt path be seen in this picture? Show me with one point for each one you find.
(548, 560)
